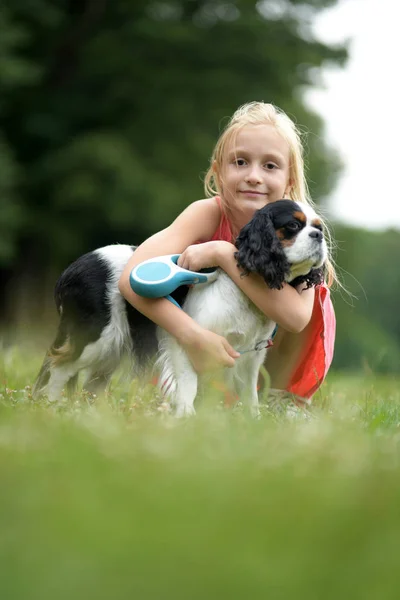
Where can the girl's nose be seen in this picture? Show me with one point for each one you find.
(254, 175)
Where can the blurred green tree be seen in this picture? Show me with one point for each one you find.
(110, 110)
(368, 335)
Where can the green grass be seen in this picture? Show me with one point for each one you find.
(112, 498)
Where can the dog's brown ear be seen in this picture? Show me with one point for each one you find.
(260, 251)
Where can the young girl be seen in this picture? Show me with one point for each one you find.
(257, 159)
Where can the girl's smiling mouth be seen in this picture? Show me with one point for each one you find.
(252, 193)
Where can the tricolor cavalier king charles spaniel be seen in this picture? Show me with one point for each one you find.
(283, 242)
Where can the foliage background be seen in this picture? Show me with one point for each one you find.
(109, 111)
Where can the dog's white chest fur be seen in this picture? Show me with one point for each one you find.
(222, 308)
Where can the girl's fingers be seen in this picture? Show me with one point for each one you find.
(213, 353)
(229, 362)
(182, 262)
(230, 350)
(185, 262)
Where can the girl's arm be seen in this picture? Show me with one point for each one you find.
(198, 222)
(287, 307)
(284, 356)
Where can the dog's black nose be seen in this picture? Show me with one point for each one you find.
(316, 234)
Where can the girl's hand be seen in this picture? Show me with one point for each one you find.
(209, 351)
(203, 256)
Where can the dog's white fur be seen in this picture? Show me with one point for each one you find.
(222, 308)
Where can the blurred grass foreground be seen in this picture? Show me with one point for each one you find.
(112, 498)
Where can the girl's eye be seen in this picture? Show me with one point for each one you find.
(240, 162)
(270, 166)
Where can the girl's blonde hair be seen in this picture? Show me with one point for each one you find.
(261, 113)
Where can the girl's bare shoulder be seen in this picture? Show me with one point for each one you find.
(202, 216)
(197, 223)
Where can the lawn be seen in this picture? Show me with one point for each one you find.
(113, 498)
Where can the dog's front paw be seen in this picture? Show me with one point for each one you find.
(184, 410)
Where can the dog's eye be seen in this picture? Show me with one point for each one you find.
(293, 226)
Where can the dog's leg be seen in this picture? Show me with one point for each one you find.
(42, 379)
(72, 385)
(52, 372)
(186, 391)
(247, 378)
(178, 379)
(97, 381)
(60, 375)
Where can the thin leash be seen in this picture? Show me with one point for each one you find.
(262, 344)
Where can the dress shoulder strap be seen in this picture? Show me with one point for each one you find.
(224, 231)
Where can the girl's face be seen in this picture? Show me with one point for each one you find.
(255, 170)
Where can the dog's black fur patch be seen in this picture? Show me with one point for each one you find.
(81, 300)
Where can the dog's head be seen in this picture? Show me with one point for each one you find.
(284, 241)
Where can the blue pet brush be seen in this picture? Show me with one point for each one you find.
(159, 277)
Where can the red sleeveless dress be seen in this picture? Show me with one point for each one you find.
(317, 355)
